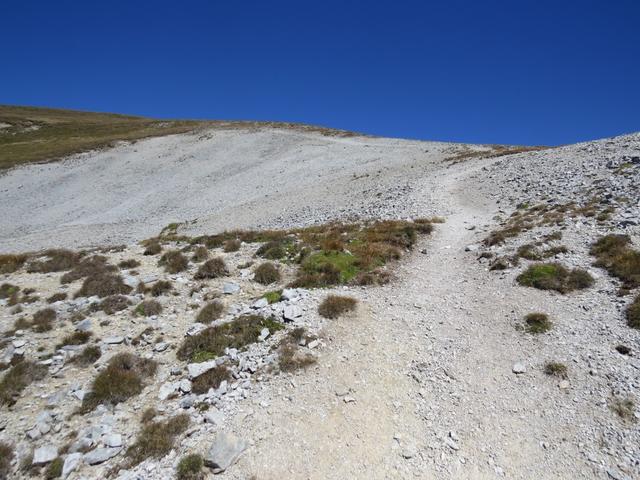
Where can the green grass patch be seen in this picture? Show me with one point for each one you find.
(553, 276)
(274, 296)
(614, 254)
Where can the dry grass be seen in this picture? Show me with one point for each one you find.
(624, 408)
(555, 369)
(267, 273)
(553, 276)
(200, 254)
(88, 356)
(53, 260)
(153, 247)
(128, 264)
(7, 290)
(213, 268)
(211, 342)
(76, 338)
(12, 263)
(156, 439)
(537, 323)
(17, 378)
(93, 266)
(334, 306)
(54, 469)
(210, 379)
(174, 261)
(232, 245)
(633, 314)
(43, 320)
(113, 304)
(190, 468)
(490, 151)
(210, 312)
(122, 379)
(160, 288)
(6, 457)
(57, 297)
(292, 358)
(148, 308)
(103, 285)
(614, 253)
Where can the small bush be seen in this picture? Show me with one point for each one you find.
(537, 323)
(103, 285)
(274, 296)
(212, 341)
(190, 468)
(89, 355)
(200, 254)
(56, 260)
(210, 379)
(7, 290)
(153, 247)
(76, 338)
(292, 358)
(122, 379)
(113, 304)
(274, 250)
(17, 378)
(333, 306)
(232, 245)
(6, 457)
(633, 314)
(614, 253)
(624, 408)
(210, 312)
(173, 261)
(54, 469)
(57, 297)
(160, 288)
(553, 276)
(555, 369)
(43, 320)
(148, 308)
(156, 439)
(266, 274)
(93, 266)
(130, 263)
(12, 263)
(213, 268)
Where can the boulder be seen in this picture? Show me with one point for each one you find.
(224, 451)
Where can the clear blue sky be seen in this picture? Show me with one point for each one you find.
(487, 71)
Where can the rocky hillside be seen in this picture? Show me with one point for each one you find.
(498, 339)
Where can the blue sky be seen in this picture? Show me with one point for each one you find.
(521, 72)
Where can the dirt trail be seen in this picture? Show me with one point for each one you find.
(428, 365)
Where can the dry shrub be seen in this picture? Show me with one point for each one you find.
(614, 253)
(6, 457)
(190, 467)
(88, 267)
(43, 320)
(213, 268)
(103, 285)
(161, 287)
(12, 263)
(89, 355)
(54, 260)
(173, 261)
(7, 290)
(624, 408)
(148, 308)
(210, 312)
(122, 379)
(113, 304)
(333, 306)
(17, 378)
(156, 439)
(200, 254)
(130, 263)
(76, 338)
(57, 297)
(266, 274)
(232, 245)
(290, 356)
(210, 379)
(537, 322)
(153, 247)
(633, 314)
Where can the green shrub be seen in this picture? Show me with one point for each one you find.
(266, 273)
(7, 290)
(553, 276)
(274, 296)
(614, 253)
(54, 469)
(537, 323)
(148, 308)
(156, 439)
(190, 467)
(333, 306)
(555, 369)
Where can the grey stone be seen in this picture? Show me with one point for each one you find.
(197, 369)
(101, 455)
(83, 443)
(84, 325)
(112, 440)
(185, 386)
(214, 416)
(114, 340)
(71, 462)
(519, 368)
(187, 402)
(290, 293)
(224, 451)
(167, 389)
(264, 333)
(291, 312)
(160, 347)
(230, 288)
(260, 303)
(44, 454)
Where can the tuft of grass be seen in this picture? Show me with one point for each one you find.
(210, 379)
(130, 263)
(212, 341)
(54, 260)
(113, 304)
(232, 245)
(57, 297)
(624, 408)
(12, 263)
(122, 379)
(17, 378)
(190, 467)
(633, 314)
(43, 320)
(103, 285)
(537, 323)
(210, 312)
(148, 415)
(200, 254)
(7, 290)
(213, 268)
(266, 273)
(334, 306)
(554, 276)
(275, 249)
(76, 338)
(148, 308)
(6, 457)
(274, 296)
(89, 355)
(88, 267)
(555, 369)
(161, 287)
(290, 356)
(54, 469)
(153, 247)
(156, 439)
(173, 261)
(614, 254)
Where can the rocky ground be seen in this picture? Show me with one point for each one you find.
(433, 376)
